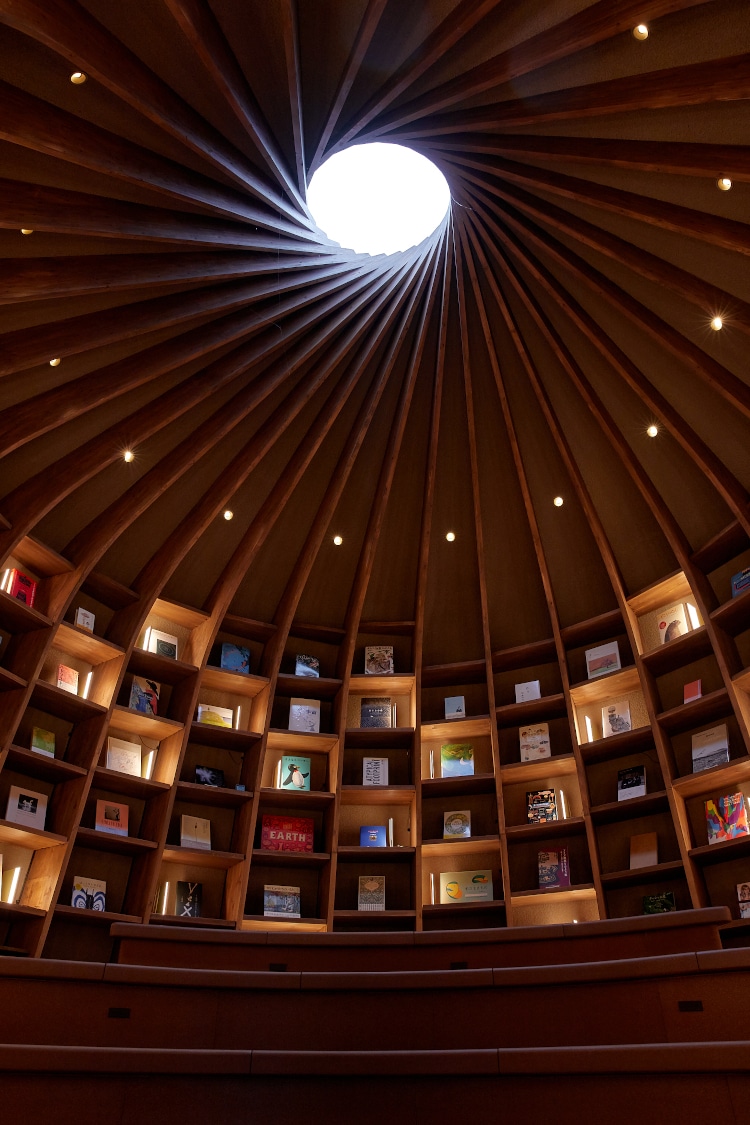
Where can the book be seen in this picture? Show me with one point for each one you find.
(457, 824)
(456, 759)
(43, 741)
(195, 832)
(710, 748)
(210, 714)
(19, 586)
(525, 692)
(124, 757)
(740, 582)
(294, 773)
(371, 892)
(673, 623)
(465, 887)
(375, 712)
(188, 899)
(26, 806)
(208, 775)
(304, 715)
(378, 660)
(554, 869)
(306, 665)
(287, 834)
(163, 644)
(144, 695)
(616, 718)
(111, 816)
(631, 782)
(67, 679)
(534, 742)
(85, 619)
(644, 850)
(281, 902)
(662, 903)
(743, 897)
(455, 705)
(235, 658)
(692, 691)
(541, 806)
(602, 659)
(372, 836)
(89, 894)
(374, 771)
(726, 817)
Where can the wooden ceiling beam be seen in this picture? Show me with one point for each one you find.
(290, 35)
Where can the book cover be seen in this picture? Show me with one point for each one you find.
(541, 806)
(281, 902)
(710, 748)
(163, 644)
(692, 691)
(212, 715)
(188, 899)
(616, 718)
(235, 658)
(26, 806)
(740, 582)
(89, 894)
(456, 759)
(455, 706)
(195, 832)
(457, 824)
(208, 775)
(144, 695)
(726, 817)
(294, 773)
(43, 741)
(111, 816)
(306, 665)
(743, 897)
(631, 782)
(287, 834)
(554, 869)
(531, 689)
(124, 757)
(67, 679)
(373, 836)
(304, 715)
(465, 887)
(644, 850)
(85, 619)
(662, 903)
(19, 586)
(374, 771)
(673, 623)
(371, 892)
(375, 712)
(378, 660)
(534, 742)
(603, 659)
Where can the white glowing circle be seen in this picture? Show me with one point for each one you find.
(653, 430)
(378, 198)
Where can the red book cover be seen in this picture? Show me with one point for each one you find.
(20, 586)
(287, 834)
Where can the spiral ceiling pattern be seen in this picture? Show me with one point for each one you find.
(519, 354)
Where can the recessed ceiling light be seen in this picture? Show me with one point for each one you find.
(55, 362)
(78, 78)
(338, 540)
(26, 230)
(228, 514)
(723, 183)
(128, 455)
(640, 32)
(558, 501)
(717, 323)
(450, 536)
(652, 431)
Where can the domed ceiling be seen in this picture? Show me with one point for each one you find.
(519, 354)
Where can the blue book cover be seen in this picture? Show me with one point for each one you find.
(372, 836)
(234, 658)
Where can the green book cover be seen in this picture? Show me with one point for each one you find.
(43, 741)
(456, 759)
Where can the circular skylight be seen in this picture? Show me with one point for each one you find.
(378, 198)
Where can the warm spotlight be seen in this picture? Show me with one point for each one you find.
(640, 32)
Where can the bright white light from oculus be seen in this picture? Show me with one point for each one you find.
(378, 198)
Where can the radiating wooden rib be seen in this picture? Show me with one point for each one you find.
(202, 30)
(465, 16)
(365, 32)
(696, 84)
(35, 124)
(22, 349)
(69, 30)
(290, 35)
(595, 24)
(731, 491)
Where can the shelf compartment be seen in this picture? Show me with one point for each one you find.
(223, 738)
(374, 919)
(387, 738)
(299, 741)
(17, 617)
(377, 794)
(574, 826)
(700, 711)
(683, 650)
(725, 850)
(466, 846)
(456, 730)
(164, 669)
(577, 893)
(180, 920)
(459, 672)
(110, 842)
(290, 859)
(326, 687)
(557, 765)
(303, 801)
(434, 911)
(212, 795)
(534, 710)
(182, 615)
(477, 783)
(9, 681)
(256, 922)
(630, 809)
(734, 615)
(85, 645)
(396, 683)
(606, 687)
(13, 911)
(41, 766)
(63, 704)
(94, 917)
(617, 746)
(233, 683)
(127, 785)
(198, 857)
(148, 726)
(23, 836)
(654, 873)
(349, 853)
(724, 777)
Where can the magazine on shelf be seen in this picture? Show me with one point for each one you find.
(376, 712)
(43, 742)
(124, 757)
(455, 706)
(208, 775)
(644, 850)
(26, 806)
(743, 897)
(710, 748)
(89, 894)
(195, 832)
(541, 806)
(144, 695)
(112, 816)
(293, 772)
(554, 869)
(287, 834)
(465, 887)
(85, 619)
(235, 658)
(616, 718)
(281, 902)
(456, 759)
(304, 715)
(531, 689)
(726, 817)
(740, 582)
(692, 691)
(306, 666)
(663, 903)
(534, 742)
(457, 824)
(378, 660)
(373, 836)
(19, 586)
(163, 644)
(371, 892)
(673, 623)
(188, 899)
(67, 679)
(631, 782)
(210, 714)
(374, 771)
(603, 659)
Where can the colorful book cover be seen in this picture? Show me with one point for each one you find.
(554, 869)
(726, 817)
(673, 623)
(163, 644)
(294, 773)
(710, 748)
(740, 582)
(455, 706)
(124, 757)
(112, 817)
(531, 689)
(534, 742)
(372, 836)
(208, 775)
(26, 806)
(631, 782)
(85, 619)
(663, 903)
(743, 897)
(195, 832)
(89, 894)
(43, 741)
(304, 715)
(235, 658)
(19, 586)
(465, 887)
(287, 834)
(692, 691)
(67, 679)
(375, 712)
(616, 718)
(371, 892)
(188, 899)
(457, 824)
(374, 771)
(214, 716)
(144, 695)
(456, 759)
(541, 806)
(306, 665)
(281, 902)
(602, 659)
(378, 660)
